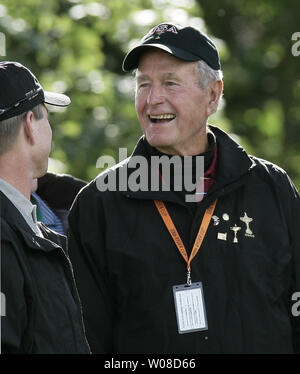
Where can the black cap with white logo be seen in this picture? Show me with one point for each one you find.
(20, 91)
(185, 43)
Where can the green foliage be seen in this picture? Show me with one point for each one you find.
(262, 79)
(77, 47)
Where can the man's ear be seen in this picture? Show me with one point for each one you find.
(28, 127)
(214, 91)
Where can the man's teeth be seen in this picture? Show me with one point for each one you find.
(163, 116)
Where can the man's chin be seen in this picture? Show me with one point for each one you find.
(157, 141)
(42, 171)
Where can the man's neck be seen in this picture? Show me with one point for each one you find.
(181, 151)
(15, 172)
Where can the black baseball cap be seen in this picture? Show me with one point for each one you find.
(20, 91)
(185, 43)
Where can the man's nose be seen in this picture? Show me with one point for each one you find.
(156, 95)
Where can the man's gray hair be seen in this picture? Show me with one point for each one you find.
(206, 74)
(9, 128)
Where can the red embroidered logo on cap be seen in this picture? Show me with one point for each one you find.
(160, 29)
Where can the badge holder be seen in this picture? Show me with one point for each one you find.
(188, 298)
(190, 307)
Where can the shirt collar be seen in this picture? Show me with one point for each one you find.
(23, 205)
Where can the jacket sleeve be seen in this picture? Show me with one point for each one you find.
(288, 198)
(86, 245)
(295, 291)
(13, 309)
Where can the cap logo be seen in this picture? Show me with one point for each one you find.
(32, 94)
(161, 29)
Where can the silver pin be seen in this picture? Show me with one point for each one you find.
(222, 235)
(235, 229)
(247, 221)
(216, 220)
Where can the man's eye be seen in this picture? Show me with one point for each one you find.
(170, 83)
(143, 85)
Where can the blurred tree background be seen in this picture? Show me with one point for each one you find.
(77, 47)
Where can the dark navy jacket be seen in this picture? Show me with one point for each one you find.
(125, 262)
(42, 312)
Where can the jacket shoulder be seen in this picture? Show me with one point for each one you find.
(7, 231)
(10, 219)
(275, 175)
(105, 182)
(267, 165)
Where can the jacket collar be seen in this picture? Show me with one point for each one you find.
(11, 215)
(233, 162)
(23, 205)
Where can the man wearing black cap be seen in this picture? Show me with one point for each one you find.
(42, 308)
(162, 268)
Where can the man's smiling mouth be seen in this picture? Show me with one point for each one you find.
(162, 117)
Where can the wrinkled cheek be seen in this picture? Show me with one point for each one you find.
(142, 117)
(140, 103)
(137, 103)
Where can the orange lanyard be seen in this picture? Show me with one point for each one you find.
(160, 205)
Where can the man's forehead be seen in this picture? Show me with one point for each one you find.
(165, 75)
(165, 71)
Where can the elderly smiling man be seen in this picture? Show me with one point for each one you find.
(160, 273)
